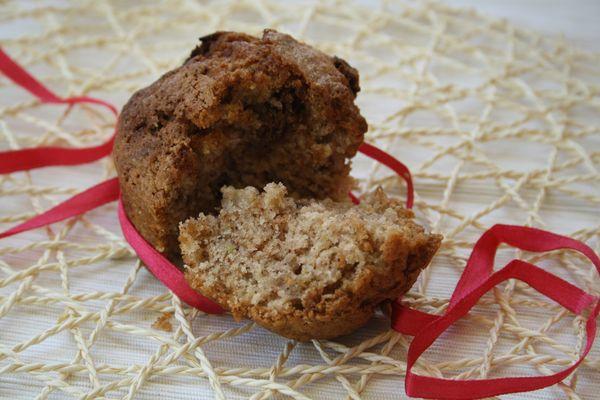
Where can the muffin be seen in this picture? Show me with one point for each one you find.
(240, 111)
(305, 269)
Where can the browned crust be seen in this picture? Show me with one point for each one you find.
(240, 111)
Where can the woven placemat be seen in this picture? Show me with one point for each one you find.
(498, 125)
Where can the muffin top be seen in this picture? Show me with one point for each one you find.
(240, 111)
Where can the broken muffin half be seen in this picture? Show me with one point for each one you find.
(305, 269)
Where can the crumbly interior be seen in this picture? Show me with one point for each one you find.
(304, 268)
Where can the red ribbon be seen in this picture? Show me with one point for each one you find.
(161, 268)
(478, 276)
(389, 161)
(25, 159)
(477, 279)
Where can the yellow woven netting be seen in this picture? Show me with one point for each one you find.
(497, 124)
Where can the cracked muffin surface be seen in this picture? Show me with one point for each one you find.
(241, 111)
(306, 269)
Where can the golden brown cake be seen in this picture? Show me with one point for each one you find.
(240, 111)
(306, 269)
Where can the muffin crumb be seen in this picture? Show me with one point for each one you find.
(163, 322)
(306, 269)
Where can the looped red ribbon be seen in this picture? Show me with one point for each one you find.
(25, 159)
(478, 276)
